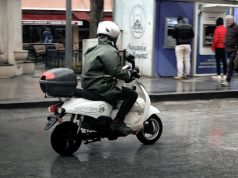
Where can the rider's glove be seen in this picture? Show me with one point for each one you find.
(130, 57)
(135, 74)
(130, 80)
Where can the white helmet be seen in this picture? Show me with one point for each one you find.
(108, 28)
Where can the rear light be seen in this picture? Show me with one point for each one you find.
(52, 109)
(48, 75)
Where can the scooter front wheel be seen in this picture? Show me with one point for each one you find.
(152, 130)
(64, 139)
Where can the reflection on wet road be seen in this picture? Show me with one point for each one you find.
(200, 139)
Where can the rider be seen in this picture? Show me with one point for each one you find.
(102, 68)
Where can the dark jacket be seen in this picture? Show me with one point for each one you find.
(183, 33)
(101, 69)
(231, 43)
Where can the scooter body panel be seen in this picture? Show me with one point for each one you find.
(86, 107)
(135, 120)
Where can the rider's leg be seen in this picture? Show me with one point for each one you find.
(129, 98)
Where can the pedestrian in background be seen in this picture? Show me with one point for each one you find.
(47, 36)
(218, 46)
(183, 33)
(231, 46)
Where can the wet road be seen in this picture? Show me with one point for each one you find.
(200, 139)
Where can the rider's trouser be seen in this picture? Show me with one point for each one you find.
(129, 97)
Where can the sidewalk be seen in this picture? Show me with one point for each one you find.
(24, 91)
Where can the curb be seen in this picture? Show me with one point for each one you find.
(26, 104)
(154, 98)
(193, 96)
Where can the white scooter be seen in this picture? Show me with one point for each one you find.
(90, 120)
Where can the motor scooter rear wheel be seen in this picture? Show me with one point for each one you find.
(64, 139)
(152, 130)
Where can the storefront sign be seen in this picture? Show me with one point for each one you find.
(46, 22)
(138, 51)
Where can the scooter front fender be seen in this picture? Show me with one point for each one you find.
(152, 110)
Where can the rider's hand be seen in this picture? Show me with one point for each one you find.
(130, 57)
(132, 77)
(134, 73)
(130, 80)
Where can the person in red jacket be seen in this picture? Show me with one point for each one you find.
(218, 46)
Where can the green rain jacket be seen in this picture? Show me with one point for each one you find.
(101, 69)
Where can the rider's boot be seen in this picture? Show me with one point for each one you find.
(121, 127)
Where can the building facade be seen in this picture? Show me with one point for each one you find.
(147, 28)
(23, 21)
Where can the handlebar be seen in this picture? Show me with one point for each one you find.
(134, 69)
